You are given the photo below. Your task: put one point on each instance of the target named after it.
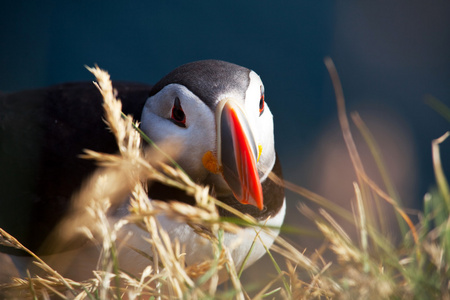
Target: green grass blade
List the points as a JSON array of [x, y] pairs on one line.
[[378, 157], [438, 106], [279, 271], [244, 263]]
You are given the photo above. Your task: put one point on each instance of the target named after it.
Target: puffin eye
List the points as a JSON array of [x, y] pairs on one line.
[[178, 117], [261, 104]]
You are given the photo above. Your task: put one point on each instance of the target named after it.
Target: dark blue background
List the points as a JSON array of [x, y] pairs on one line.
[[389, 56]]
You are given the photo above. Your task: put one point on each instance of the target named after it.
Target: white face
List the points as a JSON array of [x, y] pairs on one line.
[[196, 134], [194, 139], [261, 124]]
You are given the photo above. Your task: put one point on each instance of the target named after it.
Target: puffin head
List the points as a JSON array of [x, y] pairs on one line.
[[216, 113]]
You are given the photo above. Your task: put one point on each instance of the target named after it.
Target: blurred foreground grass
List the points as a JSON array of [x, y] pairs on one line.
[[372, 267]]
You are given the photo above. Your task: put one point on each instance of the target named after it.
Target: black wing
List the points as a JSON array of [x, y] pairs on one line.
[[42, 134]]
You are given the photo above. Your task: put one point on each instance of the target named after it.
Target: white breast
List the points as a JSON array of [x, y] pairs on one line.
[[79, 264], [199, 249]]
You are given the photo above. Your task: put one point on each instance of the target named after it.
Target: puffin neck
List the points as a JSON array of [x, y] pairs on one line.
[[273, 197]]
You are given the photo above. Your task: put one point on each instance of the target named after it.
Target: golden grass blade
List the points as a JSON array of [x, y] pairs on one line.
[[284, 248], [10, 240], [438, 171], [323, 202], [391, 201], [234, 277], [54, 291], [32, 290], [263, 293], [379, 161], [376, 153], [360, 271], [342, 115], [363, 227], [154, 145], [356, 160]]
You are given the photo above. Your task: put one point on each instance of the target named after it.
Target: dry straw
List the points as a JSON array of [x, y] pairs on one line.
[[372, 267]]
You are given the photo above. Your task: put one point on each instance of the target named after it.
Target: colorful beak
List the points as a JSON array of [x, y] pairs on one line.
[[237, 153]]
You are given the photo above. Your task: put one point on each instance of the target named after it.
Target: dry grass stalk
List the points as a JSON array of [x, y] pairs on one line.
[[371, 269]]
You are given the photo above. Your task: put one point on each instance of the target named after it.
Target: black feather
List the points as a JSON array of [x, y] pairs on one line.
[[42, 134]]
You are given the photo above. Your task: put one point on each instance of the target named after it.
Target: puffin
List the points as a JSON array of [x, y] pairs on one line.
[[209, 108]]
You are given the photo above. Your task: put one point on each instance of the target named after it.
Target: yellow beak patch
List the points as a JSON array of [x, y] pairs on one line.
[[259, 152]]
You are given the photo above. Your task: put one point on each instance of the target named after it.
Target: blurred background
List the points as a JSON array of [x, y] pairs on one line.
[[390, 55]]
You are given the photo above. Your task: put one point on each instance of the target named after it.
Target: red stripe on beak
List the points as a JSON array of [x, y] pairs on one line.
[[238, 154]]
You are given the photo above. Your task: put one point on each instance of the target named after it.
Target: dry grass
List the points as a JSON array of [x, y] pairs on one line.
[[373, 267]]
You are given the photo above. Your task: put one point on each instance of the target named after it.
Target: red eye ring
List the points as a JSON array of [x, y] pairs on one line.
[[261, 104], [178, 117]]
